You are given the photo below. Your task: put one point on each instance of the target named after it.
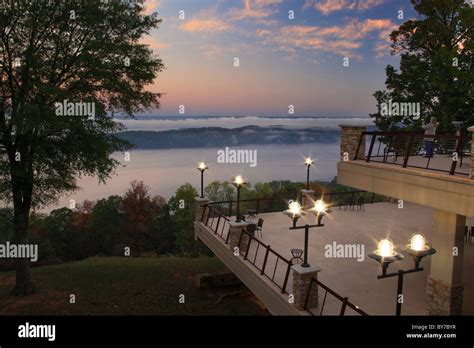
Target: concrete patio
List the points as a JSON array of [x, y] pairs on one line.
[[358, 279]]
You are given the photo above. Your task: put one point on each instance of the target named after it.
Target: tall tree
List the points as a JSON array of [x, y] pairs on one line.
[[52, 53], [436, 66], [142, 212]]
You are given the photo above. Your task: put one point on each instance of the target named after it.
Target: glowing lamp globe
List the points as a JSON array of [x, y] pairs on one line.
[[385, 252], [202, 166], [319, 207], [239, 180], [308, 161], [418, 247], [294, 208]]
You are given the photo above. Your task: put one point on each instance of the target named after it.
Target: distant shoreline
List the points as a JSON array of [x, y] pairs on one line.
[[215, 137]]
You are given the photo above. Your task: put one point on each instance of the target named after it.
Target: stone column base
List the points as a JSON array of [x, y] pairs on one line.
[[350, 137], [443, 299], [301, 280], [235, 230], [199, 207]]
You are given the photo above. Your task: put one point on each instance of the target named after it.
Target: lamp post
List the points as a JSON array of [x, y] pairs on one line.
[[308, 161], [385, 254], [295, 211], [202, 168], [238, 182]]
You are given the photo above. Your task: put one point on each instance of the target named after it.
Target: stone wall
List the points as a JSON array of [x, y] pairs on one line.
[[443, 299], [350, 136], [235, 230], [301, 280]]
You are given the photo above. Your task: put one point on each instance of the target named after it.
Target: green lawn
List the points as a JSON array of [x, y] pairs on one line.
[[127, 286]]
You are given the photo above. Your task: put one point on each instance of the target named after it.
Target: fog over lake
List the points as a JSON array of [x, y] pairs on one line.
[[165, 170]]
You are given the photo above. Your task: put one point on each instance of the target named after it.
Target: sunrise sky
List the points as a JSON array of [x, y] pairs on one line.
[[282, 61]]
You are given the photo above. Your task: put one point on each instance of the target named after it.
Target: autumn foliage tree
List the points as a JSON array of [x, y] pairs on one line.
[[142, 213]]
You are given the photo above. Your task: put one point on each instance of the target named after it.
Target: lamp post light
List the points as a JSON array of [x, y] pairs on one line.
[[308, 162], [202, 168], [238, 182], [385, 254], [295, 211]]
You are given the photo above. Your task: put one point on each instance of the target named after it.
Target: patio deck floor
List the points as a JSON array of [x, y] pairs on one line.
[[358, 279]]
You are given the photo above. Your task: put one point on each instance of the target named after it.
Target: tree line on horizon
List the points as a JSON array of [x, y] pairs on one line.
[[138, 223]]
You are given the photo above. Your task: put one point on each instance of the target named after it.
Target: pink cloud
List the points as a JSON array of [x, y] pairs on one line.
[[329, 6], [151, 6], [343, 40], [255, 9], [153, 43], [205, 25]]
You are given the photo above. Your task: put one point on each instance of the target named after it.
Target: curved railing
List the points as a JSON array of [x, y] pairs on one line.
[[261, 256]]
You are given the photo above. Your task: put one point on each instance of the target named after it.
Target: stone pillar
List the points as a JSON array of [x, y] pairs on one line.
[[199, 207], [445, 289], [234, 235], [306, 197], [471, 129], [301, 280], [350, 136]]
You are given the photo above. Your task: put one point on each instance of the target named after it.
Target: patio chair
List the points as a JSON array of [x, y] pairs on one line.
[[260, 226], [361, 203], [251, 228], [348, 203]]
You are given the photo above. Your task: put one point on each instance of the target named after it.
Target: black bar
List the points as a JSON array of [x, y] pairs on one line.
[[238, 204], [362, 136], [218, 221], [265, 259], [399, 293], [202, 183], [306, 230], [248, 246], [371, 148], [454, 163], [344, 305], [408, 150], [283, 290], [135, 331]]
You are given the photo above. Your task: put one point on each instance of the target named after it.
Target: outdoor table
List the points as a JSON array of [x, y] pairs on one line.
[[297, 254]]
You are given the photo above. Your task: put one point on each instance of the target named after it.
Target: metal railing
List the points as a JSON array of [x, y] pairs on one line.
[[260, 205], [441, 152], [354, 197], [315, 284], [267, 205], [262, 263], [216, 221]]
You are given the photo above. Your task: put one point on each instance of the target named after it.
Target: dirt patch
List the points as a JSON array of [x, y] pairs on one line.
[[49, 302]]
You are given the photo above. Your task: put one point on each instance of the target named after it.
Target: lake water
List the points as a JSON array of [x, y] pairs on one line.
[[165, 170]]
